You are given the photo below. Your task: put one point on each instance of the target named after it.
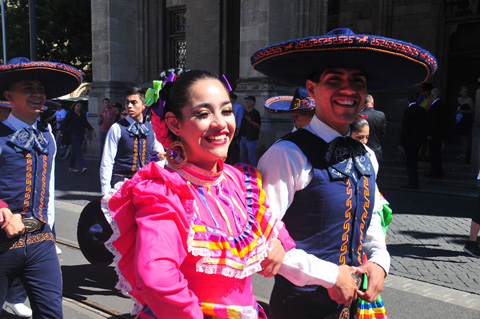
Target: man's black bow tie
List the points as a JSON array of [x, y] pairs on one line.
[[137, 129], [344, 154], [28, 139]]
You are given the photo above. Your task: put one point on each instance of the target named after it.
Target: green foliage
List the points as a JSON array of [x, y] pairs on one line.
[[63, 32]]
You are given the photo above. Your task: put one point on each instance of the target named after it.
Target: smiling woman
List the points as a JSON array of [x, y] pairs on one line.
[[211, 218]]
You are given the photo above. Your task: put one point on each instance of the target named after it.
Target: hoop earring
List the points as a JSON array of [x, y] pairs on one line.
[[170, 156]]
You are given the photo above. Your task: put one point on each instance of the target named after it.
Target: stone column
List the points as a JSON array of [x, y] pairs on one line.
[[264, 23], [114, 54]]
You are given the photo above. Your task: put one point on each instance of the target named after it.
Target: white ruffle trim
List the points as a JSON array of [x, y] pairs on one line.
[[122, 284], [248, 313], [204, 266]]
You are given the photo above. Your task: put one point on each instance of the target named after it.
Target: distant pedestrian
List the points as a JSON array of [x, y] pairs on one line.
[[130, 143], [105, 120], [378, 126], [76, 123], [234, 148], [250, 132], [464, 122], [360, 130], [412, 137], [300, 105]]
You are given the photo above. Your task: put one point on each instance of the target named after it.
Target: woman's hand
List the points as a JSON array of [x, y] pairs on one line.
[[16, 226], [271, 264], [5, 216]]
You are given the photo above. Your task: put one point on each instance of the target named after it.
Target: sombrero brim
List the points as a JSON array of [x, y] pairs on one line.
[[389, 64], [5, 105], [57, 78], [282, 103], [92, 247]]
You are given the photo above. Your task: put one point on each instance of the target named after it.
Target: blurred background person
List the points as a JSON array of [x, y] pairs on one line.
[[76, 123]]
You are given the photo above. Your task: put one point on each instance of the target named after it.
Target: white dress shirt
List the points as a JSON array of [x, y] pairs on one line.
[[286, 170], [16, 124], [110, 151]]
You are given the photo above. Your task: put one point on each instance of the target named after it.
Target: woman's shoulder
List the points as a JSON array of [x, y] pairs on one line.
[[154, 178]]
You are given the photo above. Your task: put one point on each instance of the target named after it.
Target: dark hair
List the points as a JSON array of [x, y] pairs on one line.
[[315, 76], [427, 87], [357, 125], [136, 90], [412, 96], [177, 93], [75, 103]]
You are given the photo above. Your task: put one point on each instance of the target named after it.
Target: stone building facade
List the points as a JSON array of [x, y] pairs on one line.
[[133, 41]]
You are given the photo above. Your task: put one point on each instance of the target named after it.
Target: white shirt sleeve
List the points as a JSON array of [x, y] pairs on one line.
[[51, 196], [158, 148], [108, 158], [374, 244], [293, 172]]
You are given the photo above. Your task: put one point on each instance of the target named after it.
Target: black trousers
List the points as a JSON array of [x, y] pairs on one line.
[[436, 156], [411, 161]]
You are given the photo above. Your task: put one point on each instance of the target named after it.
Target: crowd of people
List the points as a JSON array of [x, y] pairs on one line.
[[190, 224]]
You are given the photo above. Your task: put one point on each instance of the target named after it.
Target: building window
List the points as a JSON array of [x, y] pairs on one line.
[[333, 14], [177, 46]]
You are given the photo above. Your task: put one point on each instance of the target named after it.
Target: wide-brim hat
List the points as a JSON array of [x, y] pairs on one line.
[[5, 105], [300, 101], [388, 63], [93, 231], [57, 78]]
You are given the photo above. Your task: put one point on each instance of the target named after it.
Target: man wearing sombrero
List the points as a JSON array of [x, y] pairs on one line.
[[322, 182], [300, 105], [27, 152]]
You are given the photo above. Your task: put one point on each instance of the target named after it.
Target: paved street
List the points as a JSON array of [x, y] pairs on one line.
[[430, 274]]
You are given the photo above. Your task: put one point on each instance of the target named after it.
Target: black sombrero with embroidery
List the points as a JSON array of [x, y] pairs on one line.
[[388, 63], [57, 78], [300, 101]]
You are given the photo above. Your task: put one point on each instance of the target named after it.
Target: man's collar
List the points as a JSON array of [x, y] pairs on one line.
[[130, 120], [323, 130], [17, 124]]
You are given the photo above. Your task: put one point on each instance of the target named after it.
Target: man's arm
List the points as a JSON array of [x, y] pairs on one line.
[[290, 173], [108, 157]]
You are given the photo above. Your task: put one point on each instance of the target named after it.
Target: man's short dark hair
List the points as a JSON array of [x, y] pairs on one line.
[[136, 90], [233, 96]]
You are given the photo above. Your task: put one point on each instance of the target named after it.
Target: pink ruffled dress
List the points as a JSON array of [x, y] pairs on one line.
[[187, 240]]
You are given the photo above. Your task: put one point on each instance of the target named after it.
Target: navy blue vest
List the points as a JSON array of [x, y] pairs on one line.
[[329, 218], [133, 153], [25, 177]]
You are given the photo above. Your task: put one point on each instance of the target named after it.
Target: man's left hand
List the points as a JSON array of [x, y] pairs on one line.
[[376, 279], [271, 264]]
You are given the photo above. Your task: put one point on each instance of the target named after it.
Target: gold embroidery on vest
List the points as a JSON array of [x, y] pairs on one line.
[[346, 224], [28, 183]]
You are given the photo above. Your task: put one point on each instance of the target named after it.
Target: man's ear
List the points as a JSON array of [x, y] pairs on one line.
[[311, 88], [173, 123], [8, 95]]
